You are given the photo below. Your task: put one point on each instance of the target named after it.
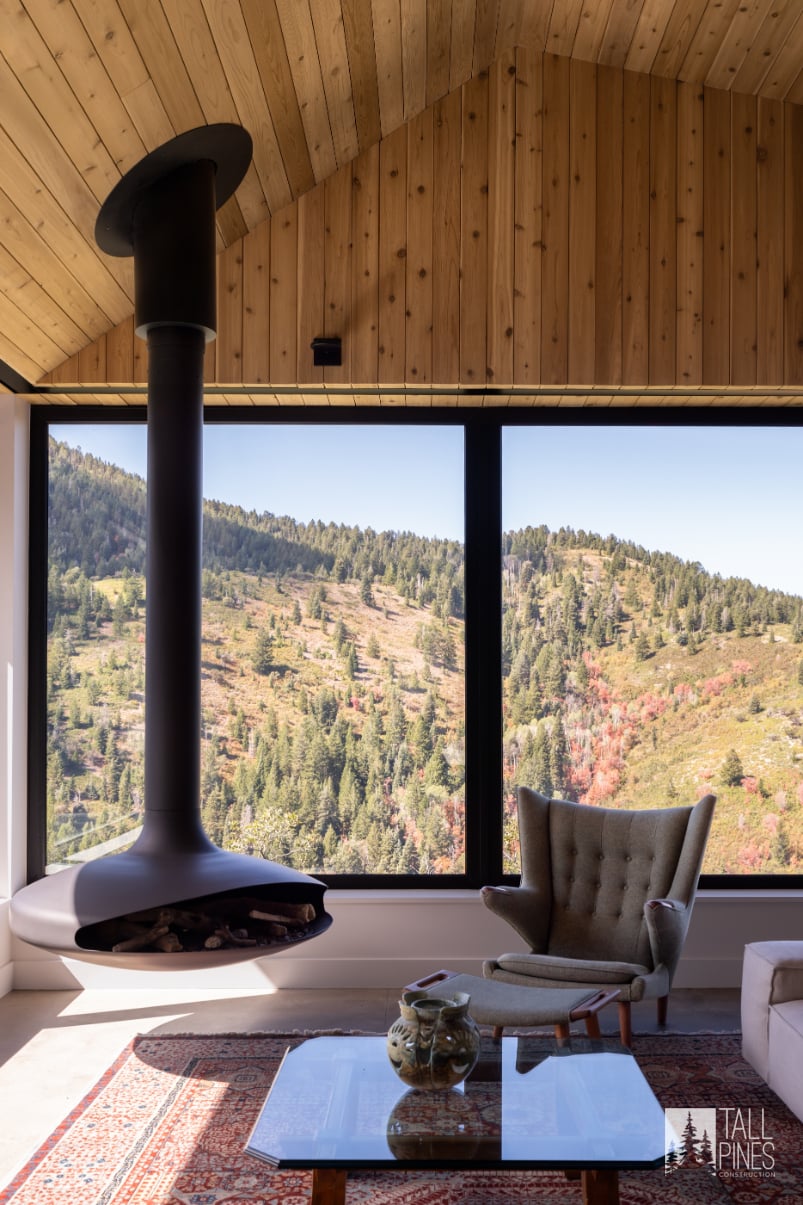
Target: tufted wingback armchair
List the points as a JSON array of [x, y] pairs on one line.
[[605, 897]]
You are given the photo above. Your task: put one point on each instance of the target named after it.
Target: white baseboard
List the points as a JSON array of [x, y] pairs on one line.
[[321, 973], [6, 978]]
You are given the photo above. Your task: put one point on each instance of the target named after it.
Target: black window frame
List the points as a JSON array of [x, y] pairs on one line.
[[482, 425]]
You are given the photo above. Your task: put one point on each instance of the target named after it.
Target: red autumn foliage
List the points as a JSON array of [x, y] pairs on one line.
[[715, 686], [753, 856], [651, 706]]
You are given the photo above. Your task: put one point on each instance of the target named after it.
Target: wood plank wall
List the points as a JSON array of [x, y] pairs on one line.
[[549, 222]]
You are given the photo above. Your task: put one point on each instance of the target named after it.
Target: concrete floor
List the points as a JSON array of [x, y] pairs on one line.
[[55, 1045]]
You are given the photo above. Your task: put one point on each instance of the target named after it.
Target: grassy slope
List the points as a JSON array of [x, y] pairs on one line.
[[305, 657]]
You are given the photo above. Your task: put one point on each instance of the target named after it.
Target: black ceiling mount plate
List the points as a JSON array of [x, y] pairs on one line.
[[227, 145]]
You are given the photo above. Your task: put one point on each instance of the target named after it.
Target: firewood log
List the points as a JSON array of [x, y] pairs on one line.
[[169, 943], [238, 906], [234, 938], [141, 942], [276, 918]]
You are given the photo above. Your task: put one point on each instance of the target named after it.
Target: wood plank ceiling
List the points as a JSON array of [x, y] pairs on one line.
[[87, 87]]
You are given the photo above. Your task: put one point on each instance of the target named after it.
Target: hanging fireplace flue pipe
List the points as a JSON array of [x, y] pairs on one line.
[[163, 212]]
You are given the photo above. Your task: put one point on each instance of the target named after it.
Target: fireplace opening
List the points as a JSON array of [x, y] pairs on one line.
[[258, 919]]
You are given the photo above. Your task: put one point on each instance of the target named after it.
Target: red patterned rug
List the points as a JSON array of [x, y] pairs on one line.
[[167, 1123]]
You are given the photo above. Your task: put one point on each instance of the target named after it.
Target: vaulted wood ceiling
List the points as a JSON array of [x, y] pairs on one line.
[[87, 87]]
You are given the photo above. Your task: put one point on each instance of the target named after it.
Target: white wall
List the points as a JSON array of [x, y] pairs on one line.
[[13, 659], [385, 939]]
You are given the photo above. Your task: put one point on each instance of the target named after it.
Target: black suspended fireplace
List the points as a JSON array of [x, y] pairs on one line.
[[174, 899]]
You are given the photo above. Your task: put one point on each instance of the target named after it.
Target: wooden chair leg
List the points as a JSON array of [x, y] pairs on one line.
[[663, 1002], [625, 1023], [592, 1025]]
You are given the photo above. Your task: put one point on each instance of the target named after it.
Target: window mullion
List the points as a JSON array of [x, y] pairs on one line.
[[483, 484]]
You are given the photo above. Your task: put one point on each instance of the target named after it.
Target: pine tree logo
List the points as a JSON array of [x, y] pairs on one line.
[[691, 1139]]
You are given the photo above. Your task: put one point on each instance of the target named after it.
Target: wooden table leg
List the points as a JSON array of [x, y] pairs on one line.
[[600, 1186], [328, 1186]]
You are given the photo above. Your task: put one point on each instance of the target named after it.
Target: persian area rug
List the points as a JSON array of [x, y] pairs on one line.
[[167, 1124]]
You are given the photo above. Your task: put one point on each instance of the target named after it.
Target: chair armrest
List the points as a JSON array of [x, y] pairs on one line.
[[524, 909], [667, 923]]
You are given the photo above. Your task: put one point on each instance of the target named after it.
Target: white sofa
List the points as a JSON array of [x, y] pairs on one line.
[[772, 1017]]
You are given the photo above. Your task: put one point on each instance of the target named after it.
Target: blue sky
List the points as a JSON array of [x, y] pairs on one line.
[[727, 497], [389, 478]]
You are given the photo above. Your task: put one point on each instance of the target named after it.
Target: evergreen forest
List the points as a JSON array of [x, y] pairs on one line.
[[332, 686]]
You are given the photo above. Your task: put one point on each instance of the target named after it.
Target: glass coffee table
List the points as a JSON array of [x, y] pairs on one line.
[[530, 1103]]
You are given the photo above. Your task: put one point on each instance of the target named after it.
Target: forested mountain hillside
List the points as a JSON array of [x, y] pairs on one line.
[[636, 679], [332, 682], [333, 685]]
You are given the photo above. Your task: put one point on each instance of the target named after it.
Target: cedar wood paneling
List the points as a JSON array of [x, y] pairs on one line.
[[551, 222]]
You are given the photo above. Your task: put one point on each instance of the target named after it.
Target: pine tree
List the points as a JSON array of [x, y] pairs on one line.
[[732, 769], [119, 615], [642, 647], [339, 634], [350, 664], [557, 757], [261, 657], [366, 593], [422, 732], [542, 777], [436, 772]]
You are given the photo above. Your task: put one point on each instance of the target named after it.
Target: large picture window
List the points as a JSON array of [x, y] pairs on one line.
[[374, 688], [653, 628], [333, 715]]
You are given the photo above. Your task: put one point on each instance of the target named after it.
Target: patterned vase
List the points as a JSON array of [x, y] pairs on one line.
[[434, 1043]]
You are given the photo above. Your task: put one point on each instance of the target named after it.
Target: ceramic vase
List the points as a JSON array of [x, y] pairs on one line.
[[434, 1043]]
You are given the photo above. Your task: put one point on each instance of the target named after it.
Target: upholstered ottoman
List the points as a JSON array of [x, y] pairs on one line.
[[772, 1017], [504, 1004]]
